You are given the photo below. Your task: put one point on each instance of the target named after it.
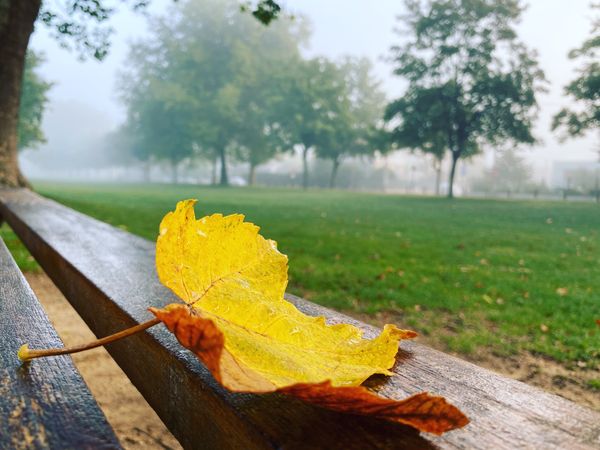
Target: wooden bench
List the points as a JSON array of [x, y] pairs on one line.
[[47, 404], [108, 276]]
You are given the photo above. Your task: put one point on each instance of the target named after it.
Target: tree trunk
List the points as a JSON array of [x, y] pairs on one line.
[[146, 170], [334, 171], [213, 176], [438, 176], [16, 24], [305, 167], [252, 175], [224, 179], [174, 172], [455, 156]]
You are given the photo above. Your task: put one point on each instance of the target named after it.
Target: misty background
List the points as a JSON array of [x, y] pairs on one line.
[[84, 107]]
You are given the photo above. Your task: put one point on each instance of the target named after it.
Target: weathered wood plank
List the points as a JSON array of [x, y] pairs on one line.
[[45, 405], [109, 277]]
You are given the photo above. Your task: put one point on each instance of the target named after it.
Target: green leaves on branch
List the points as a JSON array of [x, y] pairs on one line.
[[81, 24], [585, 89]]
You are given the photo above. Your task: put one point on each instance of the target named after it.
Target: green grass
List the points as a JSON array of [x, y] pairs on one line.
[[509, 276], [18, 250]]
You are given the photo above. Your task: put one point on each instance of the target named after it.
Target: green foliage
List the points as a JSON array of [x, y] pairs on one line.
[[471, 82], [33, 101], [201, 85], [213, 83], [585, 89], [82, 24], [356, 113], [470, 273], [18, 250]]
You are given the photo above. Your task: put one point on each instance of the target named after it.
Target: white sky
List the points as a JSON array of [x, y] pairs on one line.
[[355, 27]]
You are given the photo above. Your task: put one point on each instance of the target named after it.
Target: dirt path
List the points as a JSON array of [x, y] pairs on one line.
[[135, 423], [138, 427], [535, 370]]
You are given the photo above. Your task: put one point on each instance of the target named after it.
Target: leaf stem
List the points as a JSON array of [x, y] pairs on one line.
[[25, 354]]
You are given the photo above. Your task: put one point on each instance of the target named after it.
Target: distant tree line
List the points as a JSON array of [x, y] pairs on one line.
[[211, 83]]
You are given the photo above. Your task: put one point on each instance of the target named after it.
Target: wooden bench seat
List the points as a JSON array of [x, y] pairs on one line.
[[108, 275], [47, 404]]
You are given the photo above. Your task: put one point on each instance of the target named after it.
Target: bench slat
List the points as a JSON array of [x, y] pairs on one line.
[[109, 277], [46, 404]]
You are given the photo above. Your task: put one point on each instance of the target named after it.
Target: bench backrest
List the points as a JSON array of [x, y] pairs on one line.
[[108, 276]]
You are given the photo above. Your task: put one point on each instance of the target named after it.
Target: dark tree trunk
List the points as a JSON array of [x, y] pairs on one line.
[[16, 24], [305, 167], [334, 171], [224, 179], [252, 175], [213, 176], [455, 156]]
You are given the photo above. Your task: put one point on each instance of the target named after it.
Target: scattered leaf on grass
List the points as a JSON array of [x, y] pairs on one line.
[[252, 340]]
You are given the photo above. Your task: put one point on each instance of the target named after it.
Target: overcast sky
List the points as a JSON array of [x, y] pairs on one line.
[[340, 27]]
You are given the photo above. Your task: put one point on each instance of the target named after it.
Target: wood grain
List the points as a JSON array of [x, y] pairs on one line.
[[109, 277], [47, 404]]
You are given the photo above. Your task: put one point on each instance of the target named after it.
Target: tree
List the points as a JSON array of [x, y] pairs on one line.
[[312, 97], [71, 24], [201, 81], [471, 82], [359, 106], [510, 173], [32, 103], [585, 89]]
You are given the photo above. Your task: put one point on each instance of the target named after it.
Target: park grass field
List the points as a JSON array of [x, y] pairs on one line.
[[504, 276]]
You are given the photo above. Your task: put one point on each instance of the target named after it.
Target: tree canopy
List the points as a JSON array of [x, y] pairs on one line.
[[585, 89], [471, 82], [202, 83], [210, 82]]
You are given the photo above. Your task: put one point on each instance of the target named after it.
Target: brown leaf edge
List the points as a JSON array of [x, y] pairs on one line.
[[422, 411]]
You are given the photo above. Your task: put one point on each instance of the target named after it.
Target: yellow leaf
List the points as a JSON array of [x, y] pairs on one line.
[[223, 268], [253, 340], [422, 411], [562, 291]]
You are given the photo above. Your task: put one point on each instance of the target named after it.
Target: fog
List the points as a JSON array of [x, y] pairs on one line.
[[84, 105]]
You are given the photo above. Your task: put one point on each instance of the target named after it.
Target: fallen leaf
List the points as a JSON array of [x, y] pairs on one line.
[[253, 340], [423, 411]]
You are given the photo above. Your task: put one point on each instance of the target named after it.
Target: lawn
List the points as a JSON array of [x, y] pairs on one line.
[[506, 275]]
